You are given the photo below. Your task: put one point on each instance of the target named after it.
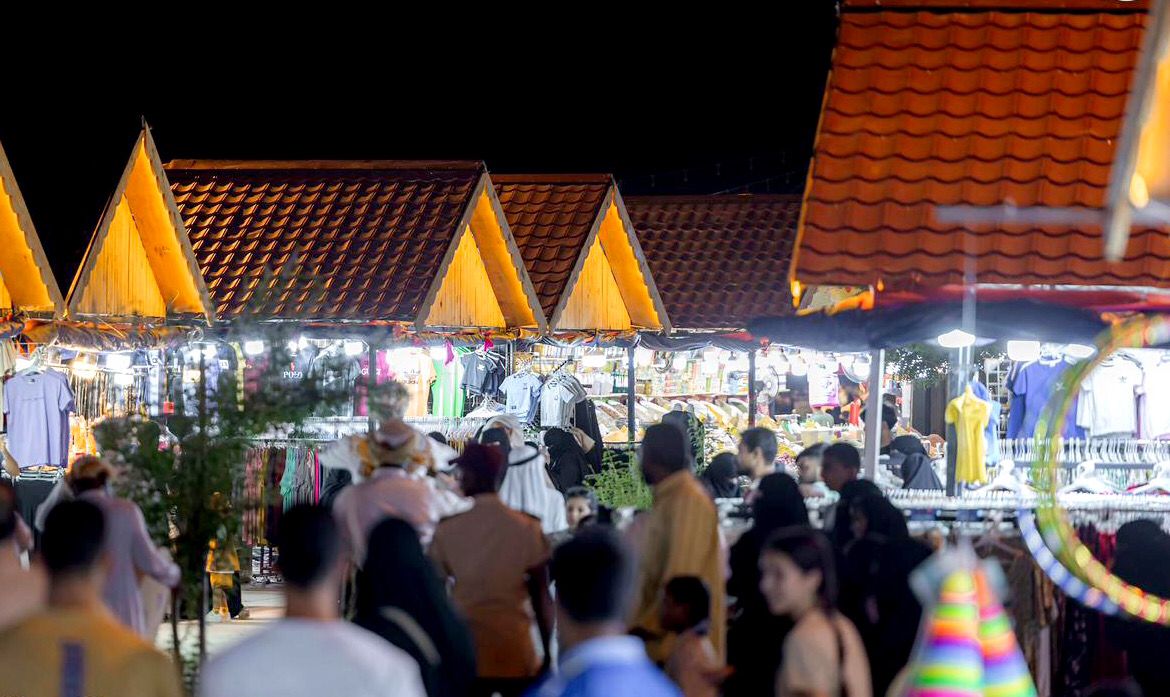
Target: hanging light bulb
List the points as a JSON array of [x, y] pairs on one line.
[[355, 348], [119, 361], [1023, 350], [254, 347], [956, 338], [84, 368]]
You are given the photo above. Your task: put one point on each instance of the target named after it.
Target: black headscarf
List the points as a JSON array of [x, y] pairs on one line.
[[720, 477], [1140, 560], [399, 594], [567, 463], [918, 473], [842, 533], [778, 504], [883, 519]]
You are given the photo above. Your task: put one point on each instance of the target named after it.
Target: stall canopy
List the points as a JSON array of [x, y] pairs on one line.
[[719, 261], [416, 242], [934, 108], [139, 264], [889, 327], [581, 252], [27, 283]]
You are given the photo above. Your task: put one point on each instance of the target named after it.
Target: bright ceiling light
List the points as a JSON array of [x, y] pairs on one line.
[[1021, 351], [594, 359], [119, 361], [255, 347], [84, 368], [956, 338], [354, 348], [1139, 193], [1079, 351]]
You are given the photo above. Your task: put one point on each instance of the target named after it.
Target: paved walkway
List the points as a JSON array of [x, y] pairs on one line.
[[266, 604]]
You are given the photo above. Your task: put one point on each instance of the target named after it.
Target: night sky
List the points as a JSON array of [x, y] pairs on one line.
[[709, 107]]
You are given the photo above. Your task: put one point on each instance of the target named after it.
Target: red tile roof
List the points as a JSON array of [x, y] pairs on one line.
[[366, 238], [718, 261], [550, 217], [930, 104]]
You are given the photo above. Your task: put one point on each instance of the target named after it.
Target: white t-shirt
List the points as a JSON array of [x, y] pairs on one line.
[[309, 658], [521, 393], [1108, 403], [557, 400], [1156, 395]]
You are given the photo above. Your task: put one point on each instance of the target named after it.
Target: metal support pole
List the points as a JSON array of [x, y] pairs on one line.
[[752, 388], [371, 384], [873, 414], [631, 385]]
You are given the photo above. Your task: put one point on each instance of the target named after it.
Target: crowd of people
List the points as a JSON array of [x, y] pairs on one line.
[[450, 576]]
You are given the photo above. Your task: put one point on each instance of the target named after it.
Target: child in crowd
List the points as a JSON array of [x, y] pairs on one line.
[[580, 503], [692, 665]]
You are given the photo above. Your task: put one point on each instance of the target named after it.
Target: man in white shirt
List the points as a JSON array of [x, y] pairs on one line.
[[312, 652]]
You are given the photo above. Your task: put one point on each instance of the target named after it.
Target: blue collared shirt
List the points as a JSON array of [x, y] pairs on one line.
[[607, 667]]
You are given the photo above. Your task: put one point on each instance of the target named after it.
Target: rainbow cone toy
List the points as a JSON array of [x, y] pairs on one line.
[[949, 661], [1005, 672]]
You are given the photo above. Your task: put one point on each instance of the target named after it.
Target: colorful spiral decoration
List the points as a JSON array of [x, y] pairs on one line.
[[1103, 591]]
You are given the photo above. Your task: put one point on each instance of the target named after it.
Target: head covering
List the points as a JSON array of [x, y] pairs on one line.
[[528, 488], [568, 465], [778, 503], [395, 444], [882, 517], [720, 477], [842, 532], [511, 426], [907, 445], [401, 599], [918, 473], [497, 437]]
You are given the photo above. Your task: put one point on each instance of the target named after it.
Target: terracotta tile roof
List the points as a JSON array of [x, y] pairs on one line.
[[550, 217], [366, 238], [718, 261], [931, 104]]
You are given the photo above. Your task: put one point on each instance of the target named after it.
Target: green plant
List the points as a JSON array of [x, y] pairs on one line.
[[620, 483], [189, 479]]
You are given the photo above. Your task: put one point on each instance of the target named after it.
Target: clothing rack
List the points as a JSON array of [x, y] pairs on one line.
[[1106, 452]]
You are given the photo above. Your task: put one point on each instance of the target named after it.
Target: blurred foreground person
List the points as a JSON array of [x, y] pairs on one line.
[[497, 559], [681, 538], [1142, 550], [692, 664], [402, 601], [755, 636], [24, 589], [823, 654], [75, 646], [594, 575], [311, 652], [130, 552]]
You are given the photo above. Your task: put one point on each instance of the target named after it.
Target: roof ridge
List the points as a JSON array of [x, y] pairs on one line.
[[974, 6], [556, 178], [324, 165], [713, 198]]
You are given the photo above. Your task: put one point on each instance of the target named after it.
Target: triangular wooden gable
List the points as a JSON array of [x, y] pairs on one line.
[[27, 283], [139, 263], [611, 287], [482, 281]]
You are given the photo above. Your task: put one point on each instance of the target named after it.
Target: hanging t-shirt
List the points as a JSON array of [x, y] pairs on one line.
[[558, 399], [970, 415], [482, 373], [1109, 398], [824, 385], [1034, 385], [415, 370], [37, 406], [521, 395], [1156, 396], [991, 433], [447, 394]]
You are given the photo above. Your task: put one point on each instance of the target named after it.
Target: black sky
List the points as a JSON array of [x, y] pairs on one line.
[[731, 107]]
